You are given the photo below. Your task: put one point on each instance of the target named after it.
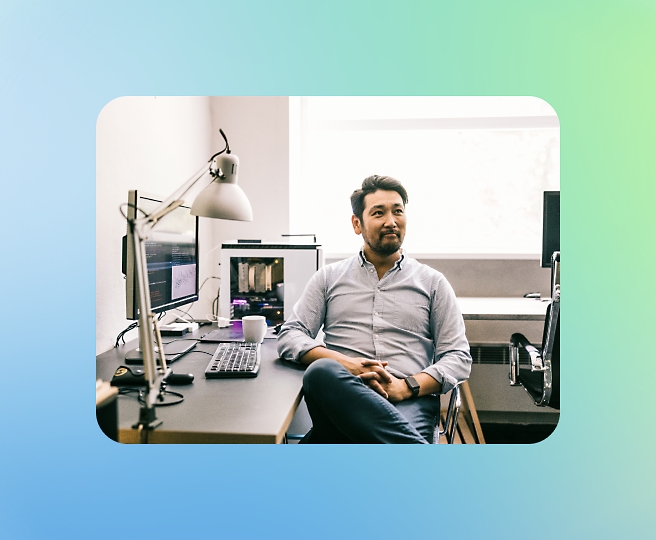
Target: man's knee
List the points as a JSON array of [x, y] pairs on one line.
[[322, 373]]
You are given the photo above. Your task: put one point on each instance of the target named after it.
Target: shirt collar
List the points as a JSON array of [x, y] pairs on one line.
[[363, 259], [398, 263], [401, 260]]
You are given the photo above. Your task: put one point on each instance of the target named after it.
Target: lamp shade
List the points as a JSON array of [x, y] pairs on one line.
[[223, 198], [220, 200]]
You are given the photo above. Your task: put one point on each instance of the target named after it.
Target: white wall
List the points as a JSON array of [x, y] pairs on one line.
[[258, 131], [155, 144], [148, 143]]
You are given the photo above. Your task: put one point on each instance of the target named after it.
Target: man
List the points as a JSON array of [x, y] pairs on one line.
[[394, 335]]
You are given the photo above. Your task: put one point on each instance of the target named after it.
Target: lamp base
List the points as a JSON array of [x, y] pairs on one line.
[[147, 422]]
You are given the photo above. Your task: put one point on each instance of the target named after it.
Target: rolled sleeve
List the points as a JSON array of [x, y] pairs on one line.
[[452, 360], [450, 369]]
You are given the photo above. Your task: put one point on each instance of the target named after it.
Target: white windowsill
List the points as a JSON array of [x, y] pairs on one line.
[[456, 256]]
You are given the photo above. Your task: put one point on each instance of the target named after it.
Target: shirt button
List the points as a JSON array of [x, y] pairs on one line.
[[371, 271], [376, 313]]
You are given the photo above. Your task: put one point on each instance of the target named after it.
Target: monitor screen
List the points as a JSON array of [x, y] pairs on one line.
[[171, 257], [550, 226]]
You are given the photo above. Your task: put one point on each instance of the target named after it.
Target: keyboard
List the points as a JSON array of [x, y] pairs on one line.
[[235, 359]]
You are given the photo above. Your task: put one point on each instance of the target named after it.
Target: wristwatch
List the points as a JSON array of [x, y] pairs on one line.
[[413, 385]]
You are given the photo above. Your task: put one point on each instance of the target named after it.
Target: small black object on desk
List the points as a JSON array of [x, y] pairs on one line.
[[126, 376], [179, 379]]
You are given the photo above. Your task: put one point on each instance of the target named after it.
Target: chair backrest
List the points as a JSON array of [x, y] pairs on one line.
[[551, 338], [542, 380]]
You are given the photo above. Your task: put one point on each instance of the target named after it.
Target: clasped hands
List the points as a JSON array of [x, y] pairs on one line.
[[376, 377]]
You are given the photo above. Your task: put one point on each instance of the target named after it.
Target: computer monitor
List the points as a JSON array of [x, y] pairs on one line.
[[550, 226], [171, 257]]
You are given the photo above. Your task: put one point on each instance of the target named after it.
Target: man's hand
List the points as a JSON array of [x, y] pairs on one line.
[[375, 376], [372, 373], [397, 390]]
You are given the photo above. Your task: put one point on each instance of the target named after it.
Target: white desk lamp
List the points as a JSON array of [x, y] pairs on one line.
[[221, 199]]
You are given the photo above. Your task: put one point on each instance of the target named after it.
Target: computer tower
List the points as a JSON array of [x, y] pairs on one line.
[[265, 278]]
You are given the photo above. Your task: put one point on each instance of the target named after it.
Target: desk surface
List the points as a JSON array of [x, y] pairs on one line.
[[502, 309], [256, 410]]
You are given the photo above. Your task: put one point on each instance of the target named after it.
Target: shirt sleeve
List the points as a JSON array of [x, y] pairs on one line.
[[452, 359], [299, 333]]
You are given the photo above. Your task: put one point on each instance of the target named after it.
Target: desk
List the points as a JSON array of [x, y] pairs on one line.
[[257, 410], [491, 321], [502, 309]]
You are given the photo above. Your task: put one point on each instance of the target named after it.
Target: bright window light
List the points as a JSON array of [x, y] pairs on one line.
[[475, 169]]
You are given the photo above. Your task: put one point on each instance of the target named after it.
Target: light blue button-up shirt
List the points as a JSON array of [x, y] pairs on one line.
[[409, 318]]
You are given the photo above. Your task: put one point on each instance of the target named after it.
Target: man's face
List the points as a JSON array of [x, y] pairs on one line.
[[383, 222]]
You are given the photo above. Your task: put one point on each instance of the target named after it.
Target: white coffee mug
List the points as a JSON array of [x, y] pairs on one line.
[[254, 328]]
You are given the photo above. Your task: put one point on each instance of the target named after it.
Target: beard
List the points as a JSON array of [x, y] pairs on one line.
[[384, 245]]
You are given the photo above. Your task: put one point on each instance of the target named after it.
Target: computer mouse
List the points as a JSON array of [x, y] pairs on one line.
[[179, 379]]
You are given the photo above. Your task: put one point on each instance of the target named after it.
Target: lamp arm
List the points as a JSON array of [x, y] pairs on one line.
[[172, 201], [148, 330]]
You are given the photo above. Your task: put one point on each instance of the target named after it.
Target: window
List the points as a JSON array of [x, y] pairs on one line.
[[475, 169]]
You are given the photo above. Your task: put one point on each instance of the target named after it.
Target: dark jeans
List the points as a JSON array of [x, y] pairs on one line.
[[345, 410]]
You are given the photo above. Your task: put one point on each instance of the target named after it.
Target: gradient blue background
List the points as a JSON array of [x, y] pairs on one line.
[[61, 63]]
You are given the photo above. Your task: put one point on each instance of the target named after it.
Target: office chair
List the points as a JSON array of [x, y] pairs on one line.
[[542, 380], [460, 424], [450, 421]]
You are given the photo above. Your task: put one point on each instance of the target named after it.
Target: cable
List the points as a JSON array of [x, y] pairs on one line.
[[206, 279], [180, 317], [199, 289], [204, 352], [121, 336], [215, 304], [226, 150], [130, 205], [161, 397], [140, 396]]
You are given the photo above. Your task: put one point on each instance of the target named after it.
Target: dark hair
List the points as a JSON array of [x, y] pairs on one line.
[[372, 184]]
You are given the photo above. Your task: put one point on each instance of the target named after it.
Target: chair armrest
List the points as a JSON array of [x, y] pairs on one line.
[[451, 421], [517, 340]]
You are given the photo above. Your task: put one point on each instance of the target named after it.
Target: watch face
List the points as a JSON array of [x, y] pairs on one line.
[[413, 385]]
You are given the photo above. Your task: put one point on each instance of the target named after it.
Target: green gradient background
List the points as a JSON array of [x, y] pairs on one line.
[[592, 61]]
